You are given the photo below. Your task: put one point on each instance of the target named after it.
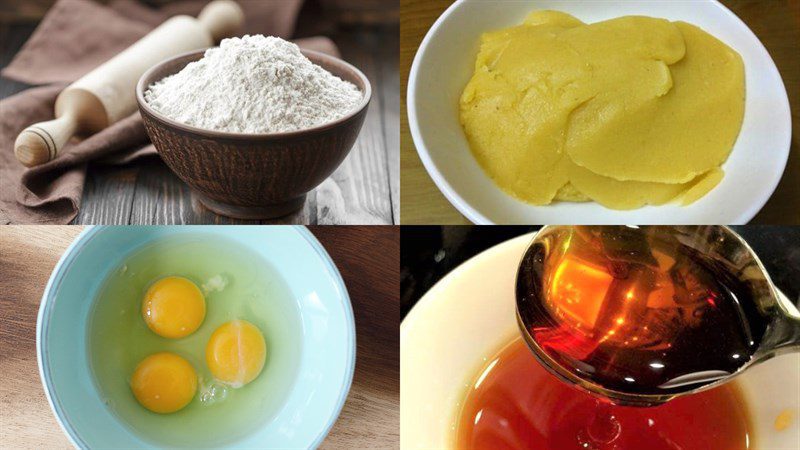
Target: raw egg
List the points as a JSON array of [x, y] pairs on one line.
[[236, 352], [173, 307], [164, 382]]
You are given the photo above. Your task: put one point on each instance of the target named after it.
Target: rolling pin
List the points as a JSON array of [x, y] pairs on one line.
[[107, 94]]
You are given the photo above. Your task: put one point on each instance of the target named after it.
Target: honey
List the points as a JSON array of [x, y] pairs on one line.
[[516, 404], [640, 310]]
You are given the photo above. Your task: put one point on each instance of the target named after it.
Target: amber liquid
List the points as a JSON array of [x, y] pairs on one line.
[[645, 310], [516, 404]]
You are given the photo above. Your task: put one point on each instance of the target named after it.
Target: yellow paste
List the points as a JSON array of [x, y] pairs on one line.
[[626, 112]]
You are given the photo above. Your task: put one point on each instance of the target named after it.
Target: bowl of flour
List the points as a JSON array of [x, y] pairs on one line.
[[255, 124]]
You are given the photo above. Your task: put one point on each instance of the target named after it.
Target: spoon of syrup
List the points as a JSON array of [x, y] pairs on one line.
[[641, 315]]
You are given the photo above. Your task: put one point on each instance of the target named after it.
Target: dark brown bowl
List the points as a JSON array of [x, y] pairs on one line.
[[253, 176]]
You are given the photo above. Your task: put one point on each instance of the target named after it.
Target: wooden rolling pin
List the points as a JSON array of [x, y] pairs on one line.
[[107, 94]]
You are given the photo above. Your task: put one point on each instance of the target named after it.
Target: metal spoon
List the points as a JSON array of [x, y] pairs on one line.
[[640, 315]]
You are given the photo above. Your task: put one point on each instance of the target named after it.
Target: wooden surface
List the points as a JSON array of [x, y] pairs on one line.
[[775, 22], [367, 257], [422, 203], [365, 189]]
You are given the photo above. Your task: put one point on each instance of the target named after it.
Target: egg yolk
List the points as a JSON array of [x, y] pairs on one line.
[[173, 307], [164, 382], [236, 352]]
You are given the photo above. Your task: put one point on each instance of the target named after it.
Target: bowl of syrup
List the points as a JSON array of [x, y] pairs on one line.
[[470, 381]]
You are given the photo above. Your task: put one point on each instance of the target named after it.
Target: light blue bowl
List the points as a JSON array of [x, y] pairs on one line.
[[328, 332]]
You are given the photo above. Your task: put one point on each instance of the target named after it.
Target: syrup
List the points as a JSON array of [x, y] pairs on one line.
[[516, 404], [651, 311]]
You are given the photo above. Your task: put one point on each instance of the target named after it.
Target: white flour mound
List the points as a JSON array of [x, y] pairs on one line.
[[253, 84]]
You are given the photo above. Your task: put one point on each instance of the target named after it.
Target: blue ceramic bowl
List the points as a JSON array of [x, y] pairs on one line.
[[328, 333]]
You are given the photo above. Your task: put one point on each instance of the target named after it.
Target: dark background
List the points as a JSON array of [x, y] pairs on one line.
[[430, 252]]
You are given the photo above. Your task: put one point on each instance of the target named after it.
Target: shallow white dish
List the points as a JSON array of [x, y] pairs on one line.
[[444, 64], [469, 315]]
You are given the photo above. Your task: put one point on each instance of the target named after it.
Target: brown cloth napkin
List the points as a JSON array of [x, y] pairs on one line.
[[73, 38]]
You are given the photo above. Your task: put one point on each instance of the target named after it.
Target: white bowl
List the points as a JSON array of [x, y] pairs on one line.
[[468, 315], [444, 63]]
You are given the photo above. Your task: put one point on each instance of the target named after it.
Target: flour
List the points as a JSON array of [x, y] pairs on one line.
[[253, 84]]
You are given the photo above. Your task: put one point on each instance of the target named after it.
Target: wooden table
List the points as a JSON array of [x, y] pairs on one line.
[[367, 257], [775, 22], [365, 189]]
